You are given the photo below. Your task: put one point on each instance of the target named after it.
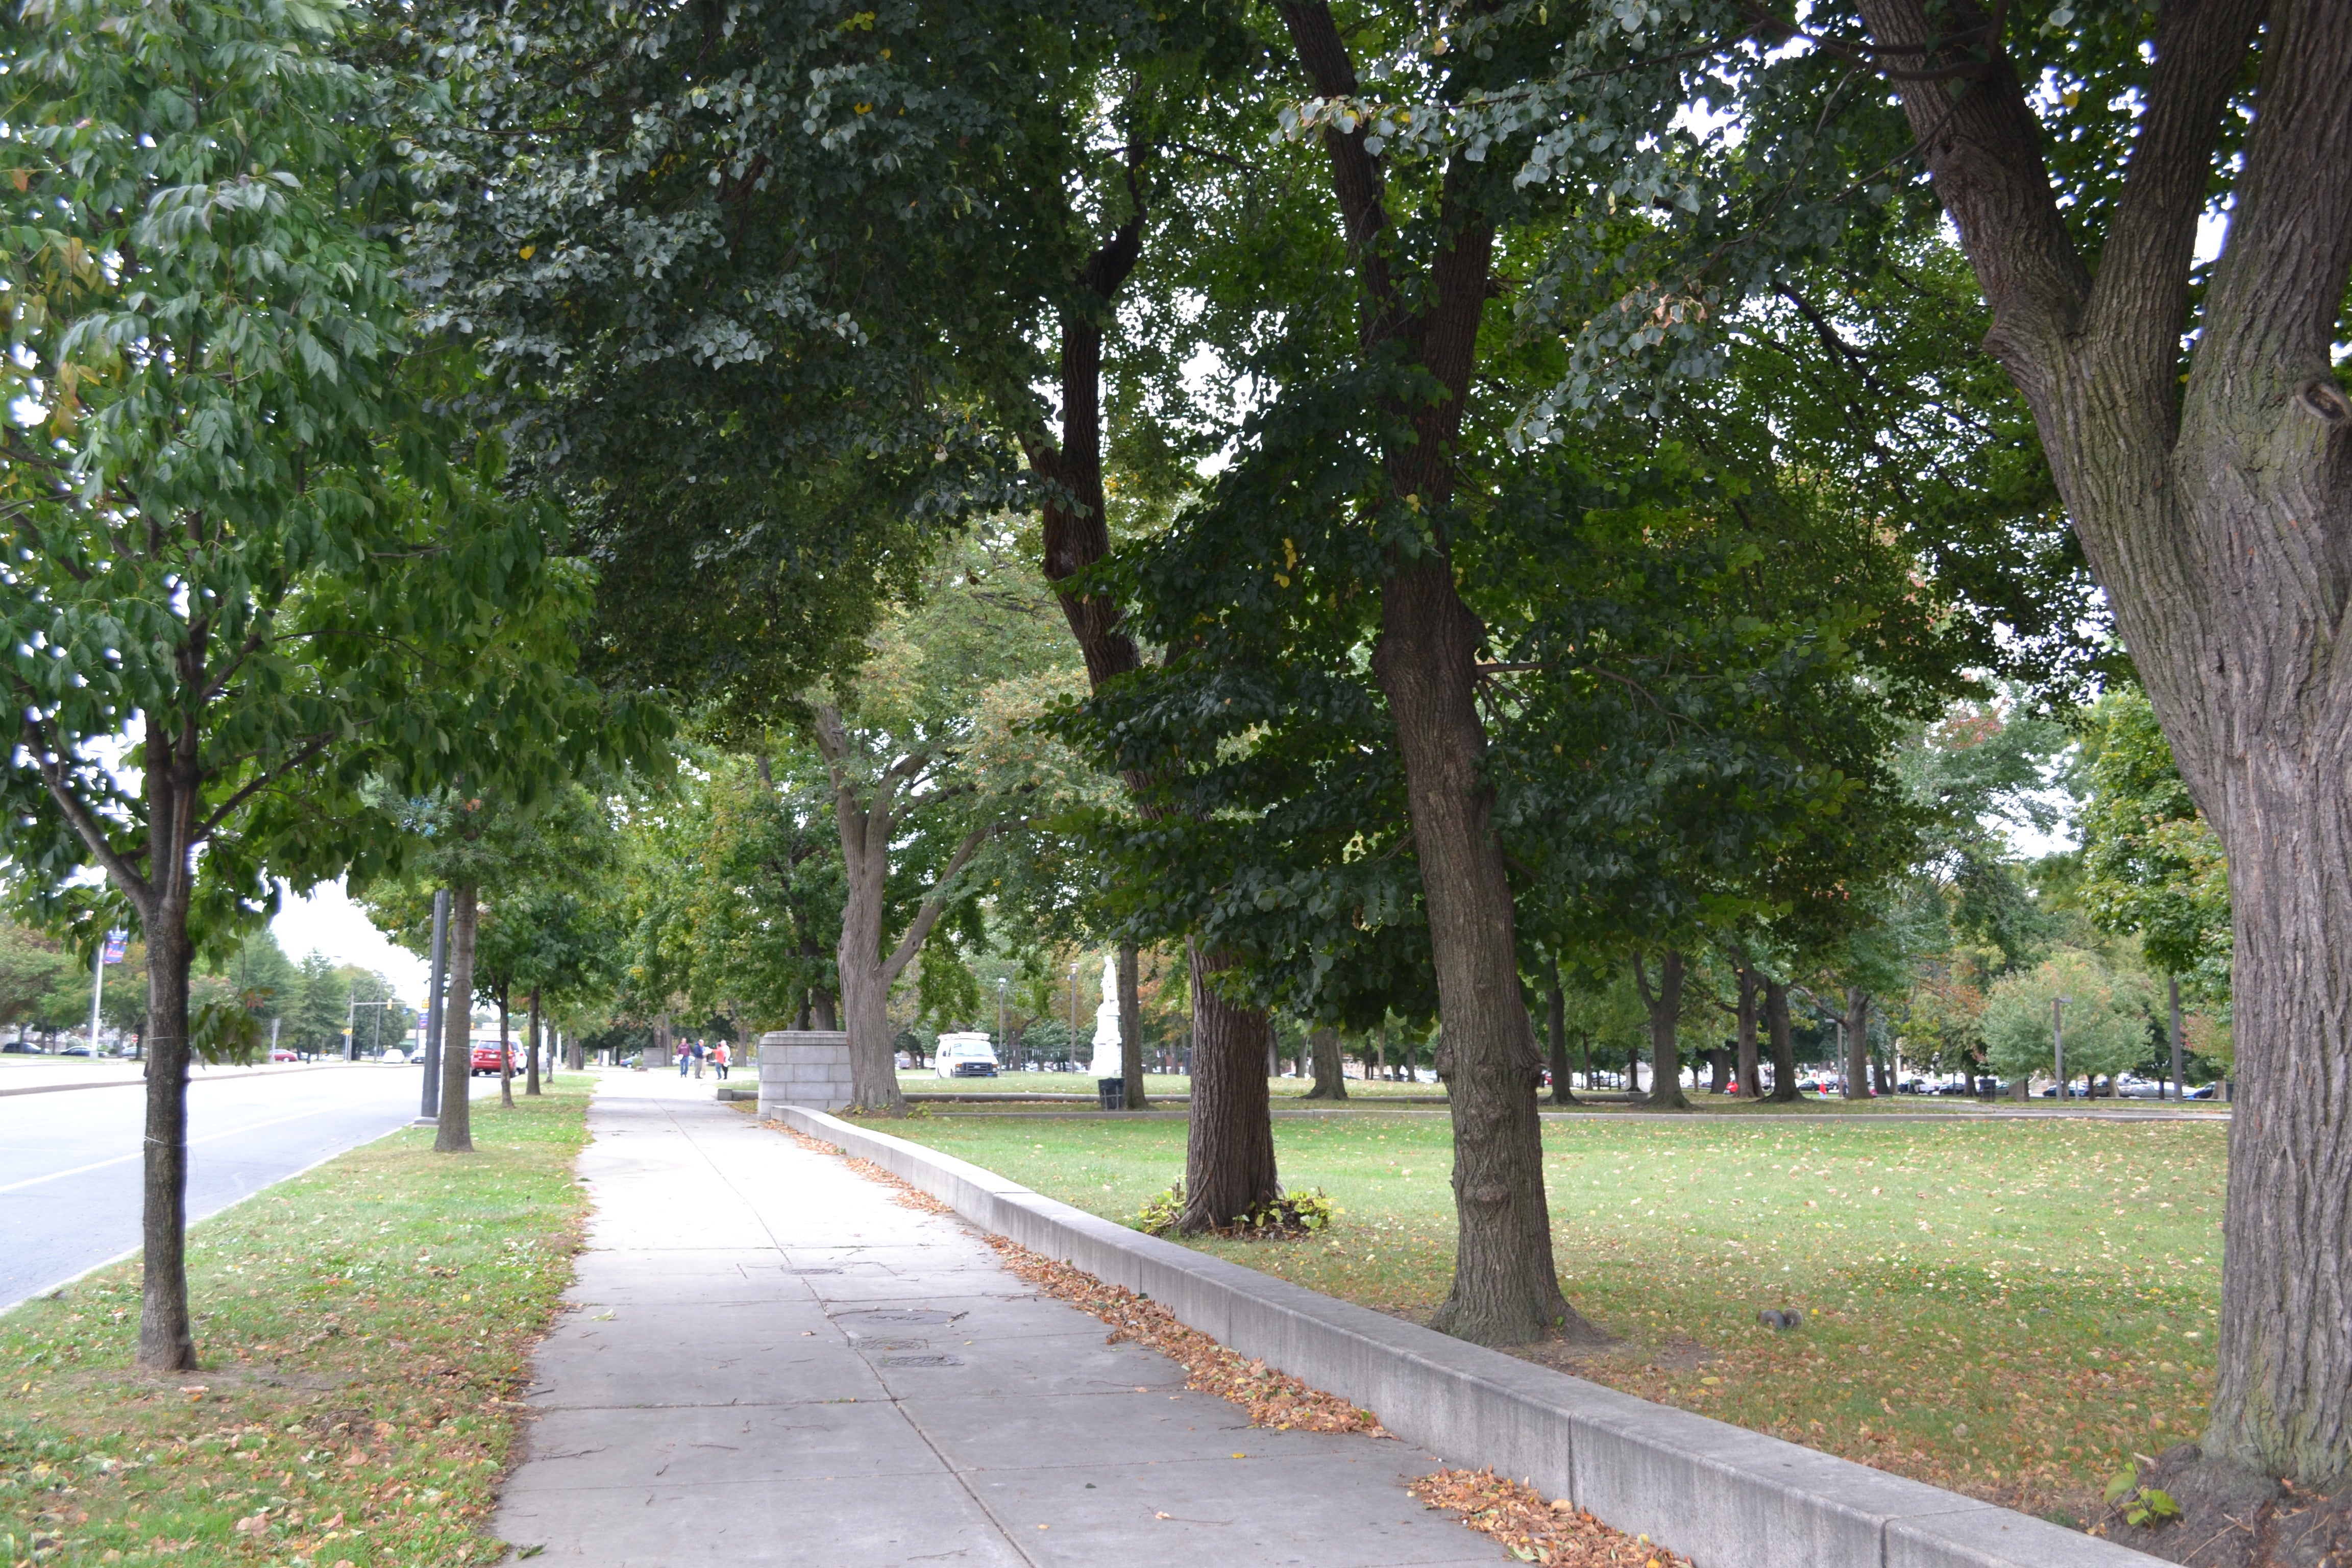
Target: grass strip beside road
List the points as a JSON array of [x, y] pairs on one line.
[[363, 1331], [2012, 1308]]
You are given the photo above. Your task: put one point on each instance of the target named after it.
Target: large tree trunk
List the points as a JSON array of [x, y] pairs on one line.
[[530, 1083], [1556, 1026], [1506, 1289], [1750, 985], [1330, 1065], [455, 1133], [1229, 1166], [2215, 508], [864, 813], [1075, 533], [864, 990], [1857, 1042], [1664, 1003], [1784, 1048], [2280, 1405], [506, 1055], [166, 1338]]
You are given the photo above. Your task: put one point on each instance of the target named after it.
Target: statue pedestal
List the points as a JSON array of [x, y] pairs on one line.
[[807, 1068]]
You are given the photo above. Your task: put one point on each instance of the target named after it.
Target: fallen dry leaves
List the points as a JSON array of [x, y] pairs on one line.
[[1273, 1399], [1536, 1529], [903, 1193], [1533, 1529]]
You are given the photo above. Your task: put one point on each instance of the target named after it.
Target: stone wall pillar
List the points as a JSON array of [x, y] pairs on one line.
[[807, 1068]]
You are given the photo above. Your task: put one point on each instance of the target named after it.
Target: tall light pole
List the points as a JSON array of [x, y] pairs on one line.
[[1074, 1010], [2058, 1040], [110, 951], [999, 1022], [2179, 1089], [431, 1104], [351, 1025]]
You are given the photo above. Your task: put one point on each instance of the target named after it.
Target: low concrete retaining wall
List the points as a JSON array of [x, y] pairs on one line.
[[1725, 1497]]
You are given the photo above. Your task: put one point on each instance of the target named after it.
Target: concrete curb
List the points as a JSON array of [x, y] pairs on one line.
[[1724, 1497]]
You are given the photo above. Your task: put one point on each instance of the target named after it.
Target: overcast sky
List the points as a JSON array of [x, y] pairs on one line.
[[329, 922]]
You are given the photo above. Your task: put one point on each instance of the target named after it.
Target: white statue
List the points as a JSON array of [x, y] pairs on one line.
[[1108, 1061]]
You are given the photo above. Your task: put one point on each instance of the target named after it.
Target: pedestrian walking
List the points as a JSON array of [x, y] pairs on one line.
[[683, 1058], [718, 1057], [700, 1053]]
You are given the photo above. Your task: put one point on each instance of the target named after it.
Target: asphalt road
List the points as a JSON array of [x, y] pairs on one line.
[[70, 1165]]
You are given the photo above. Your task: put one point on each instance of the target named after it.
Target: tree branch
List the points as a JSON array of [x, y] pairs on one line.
[[1356, 176], [2140, 302], [933, 906], [51, 761]]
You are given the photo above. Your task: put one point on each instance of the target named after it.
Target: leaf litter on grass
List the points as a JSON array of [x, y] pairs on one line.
[[2009, 1308], [365, 1325]]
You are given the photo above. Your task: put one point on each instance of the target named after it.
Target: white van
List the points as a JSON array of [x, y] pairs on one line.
[[965, 1055]]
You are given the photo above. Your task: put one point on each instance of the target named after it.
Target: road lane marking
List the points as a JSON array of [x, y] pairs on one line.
[[207, 1138]]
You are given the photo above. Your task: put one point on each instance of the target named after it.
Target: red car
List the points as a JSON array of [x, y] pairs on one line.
[[486, 1059]]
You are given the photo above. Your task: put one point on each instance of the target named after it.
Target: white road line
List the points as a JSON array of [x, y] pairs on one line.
[[207, 1138]]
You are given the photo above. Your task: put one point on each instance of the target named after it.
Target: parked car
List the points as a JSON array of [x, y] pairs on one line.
[[486, 1061], [395, 1056], [281, 1054], [965, 1054]]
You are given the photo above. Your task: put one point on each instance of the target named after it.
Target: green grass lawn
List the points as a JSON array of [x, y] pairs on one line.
[[923, 1080], [2010, 1309], [1013, 1085], [362, 1329]]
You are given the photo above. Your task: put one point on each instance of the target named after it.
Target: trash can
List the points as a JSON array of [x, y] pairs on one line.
[[1113, 1091]]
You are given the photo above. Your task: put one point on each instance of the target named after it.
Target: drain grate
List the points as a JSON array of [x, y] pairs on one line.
[[906, 1315], [922, 1360]]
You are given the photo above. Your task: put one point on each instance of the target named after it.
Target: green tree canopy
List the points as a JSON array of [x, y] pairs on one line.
[[2104, 1016]]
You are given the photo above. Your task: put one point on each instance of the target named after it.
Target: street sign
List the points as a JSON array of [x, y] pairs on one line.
[[115, 940]]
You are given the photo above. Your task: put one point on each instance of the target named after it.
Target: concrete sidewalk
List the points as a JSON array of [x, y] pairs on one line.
[[772, 1361]]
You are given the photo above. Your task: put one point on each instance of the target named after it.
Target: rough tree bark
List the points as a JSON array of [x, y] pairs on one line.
[[1664, 1003], [1229, 1166], [1857, 1044], [2215, 508], [1556, 1026], [1784, 1048], [166, 1337], [1505, 1288], [1075, 535], [867, 815], [1330, 1065], [1751, 986], [530, 1080], [506, 1055], [454, 1133]]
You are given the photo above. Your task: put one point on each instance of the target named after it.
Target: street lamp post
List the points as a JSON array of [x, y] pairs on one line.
[[1074, 1011], [2058, 1040], [1001, 1044], [430, 1105]]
